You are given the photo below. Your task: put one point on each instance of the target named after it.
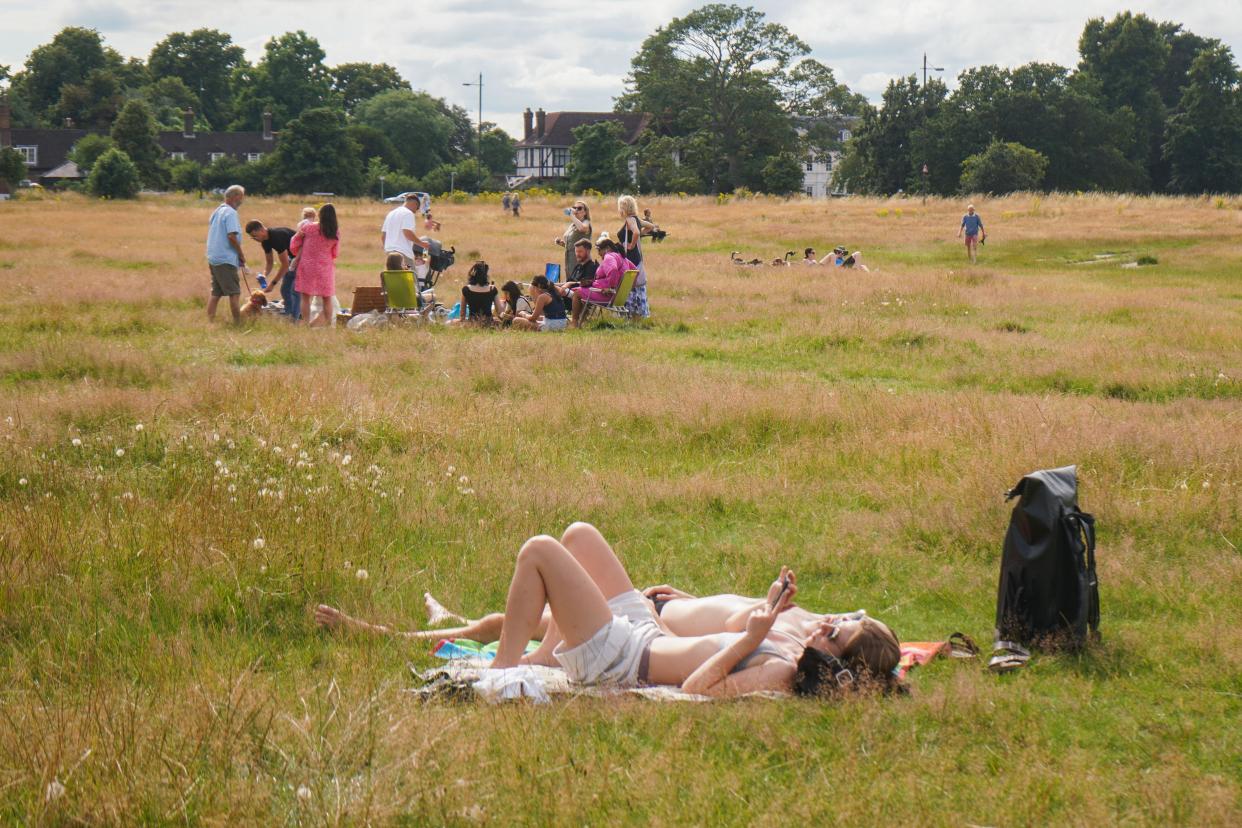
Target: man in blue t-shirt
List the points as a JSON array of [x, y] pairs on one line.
[[972, 227], [224, 253]]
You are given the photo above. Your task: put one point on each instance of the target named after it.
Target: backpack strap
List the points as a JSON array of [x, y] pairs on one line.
[[1085, 523]]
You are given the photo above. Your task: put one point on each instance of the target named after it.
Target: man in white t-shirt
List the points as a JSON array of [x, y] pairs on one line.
[[398, 235]]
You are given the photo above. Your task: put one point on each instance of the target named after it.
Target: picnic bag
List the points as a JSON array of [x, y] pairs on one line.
[[1048, 594]]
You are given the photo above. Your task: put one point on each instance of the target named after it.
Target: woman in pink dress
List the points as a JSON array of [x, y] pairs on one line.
[[316, 245]]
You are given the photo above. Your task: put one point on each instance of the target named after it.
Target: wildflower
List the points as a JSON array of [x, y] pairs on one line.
[[1206, 483], [262, 569], [138, 427], [120, 452], [22, 482], [348, 565], [346, 460], [55, 790], [361, 575], [75, 442], [463, 479], [259, 543], [232, 488], [304, 793], [451, 469], [278, 450]]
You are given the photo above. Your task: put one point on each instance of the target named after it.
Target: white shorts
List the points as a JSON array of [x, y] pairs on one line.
[[554, 324], [612, 655]]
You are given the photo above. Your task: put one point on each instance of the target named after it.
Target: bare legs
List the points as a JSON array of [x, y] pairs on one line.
[[972, 248], [546, 572], [484, 630]]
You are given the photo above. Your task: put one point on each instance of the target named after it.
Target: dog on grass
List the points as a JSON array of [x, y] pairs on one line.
[[258, 301]]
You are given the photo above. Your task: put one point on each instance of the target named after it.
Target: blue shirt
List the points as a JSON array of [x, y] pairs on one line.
[[972, 223], [223, 221]]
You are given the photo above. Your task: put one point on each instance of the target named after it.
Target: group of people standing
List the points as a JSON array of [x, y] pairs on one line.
[[306, 254]]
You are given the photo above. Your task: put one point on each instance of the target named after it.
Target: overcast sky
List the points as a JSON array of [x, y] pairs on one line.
[[574, 54]]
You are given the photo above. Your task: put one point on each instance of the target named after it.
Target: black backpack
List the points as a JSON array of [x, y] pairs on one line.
[[1048, 594]]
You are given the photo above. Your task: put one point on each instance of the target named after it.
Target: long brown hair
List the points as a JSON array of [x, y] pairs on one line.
[[328, 227]]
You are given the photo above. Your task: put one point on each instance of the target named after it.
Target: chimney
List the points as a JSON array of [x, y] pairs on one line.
[[541, 122], [187, 123], [527, 118], [267, 125], [6, 123]]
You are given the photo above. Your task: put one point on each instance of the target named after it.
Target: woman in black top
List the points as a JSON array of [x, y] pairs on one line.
[[479, 296], [548, 313]]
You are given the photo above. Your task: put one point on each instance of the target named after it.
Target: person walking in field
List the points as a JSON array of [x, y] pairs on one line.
[[316, 245], [224, 253], [972, 227]]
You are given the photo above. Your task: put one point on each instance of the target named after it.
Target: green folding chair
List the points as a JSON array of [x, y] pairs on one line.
[[619, 298], [400, 292]]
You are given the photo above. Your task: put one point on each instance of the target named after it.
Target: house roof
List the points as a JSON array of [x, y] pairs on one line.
[[231, 143], [54, 145], [558, 131], [65, 170]]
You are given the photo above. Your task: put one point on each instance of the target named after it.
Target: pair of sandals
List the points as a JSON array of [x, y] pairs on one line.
[[1007, 656]]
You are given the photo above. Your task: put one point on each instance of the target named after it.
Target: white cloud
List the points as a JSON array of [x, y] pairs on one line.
[[567, 54]]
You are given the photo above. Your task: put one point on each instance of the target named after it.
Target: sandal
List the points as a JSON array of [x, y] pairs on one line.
[[1008, 656], [962, 646]]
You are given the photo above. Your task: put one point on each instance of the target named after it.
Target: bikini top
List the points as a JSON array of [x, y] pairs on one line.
[[765, 648]]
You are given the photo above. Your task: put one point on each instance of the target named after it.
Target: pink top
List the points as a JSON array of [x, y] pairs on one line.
[[316, 261], [611, 269]]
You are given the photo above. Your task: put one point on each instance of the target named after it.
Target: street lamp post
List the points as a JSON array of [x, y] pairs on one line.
[[478, 152], [452, 182], [926, 68]]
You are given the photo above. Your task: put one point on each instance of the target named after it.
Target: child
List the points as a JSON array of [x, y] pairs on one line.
[[308, 216]]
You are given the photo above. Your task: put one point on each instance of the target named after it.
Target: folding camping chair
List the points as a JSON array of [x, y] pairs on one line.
[[400, 295], [619, 298]]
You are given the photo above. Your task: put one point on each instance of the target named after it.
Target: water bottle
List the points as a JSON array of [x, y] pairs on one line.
[[262, 281]]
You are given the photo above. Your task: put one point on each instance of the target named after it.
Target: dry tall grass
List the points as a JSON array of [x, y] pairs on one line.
[[158, 659]]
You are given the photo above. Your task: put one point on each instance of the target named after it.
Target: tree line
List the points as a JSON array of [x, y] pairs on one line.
[[735, 102], [342, 127]]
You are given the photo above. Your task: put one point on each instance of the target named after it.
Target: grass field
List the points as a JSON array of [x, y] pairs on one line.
[[175, 498]]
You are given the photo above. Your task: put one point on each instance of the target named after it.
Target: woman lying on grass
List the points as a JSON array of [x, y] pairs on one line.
[[603, 631]]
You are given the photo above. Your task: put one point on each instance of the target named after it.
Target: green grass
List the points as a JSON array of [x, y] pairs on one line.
[[156, 645]]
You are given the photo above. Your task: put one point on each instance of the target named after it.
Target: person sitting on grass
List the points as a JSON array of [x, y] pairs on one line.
[[513, 304], [547, 311], [478, 296], [602, 630], [608, 274], [808, 257]]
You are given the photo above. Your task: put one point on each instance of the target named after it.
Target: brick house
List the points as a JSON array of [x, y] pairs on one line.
[[47, 150], [548, 140]]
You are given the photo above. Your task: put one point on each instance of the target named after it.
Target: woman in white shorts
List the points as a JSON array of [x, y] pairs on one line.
[[603, 631], [671, 610]]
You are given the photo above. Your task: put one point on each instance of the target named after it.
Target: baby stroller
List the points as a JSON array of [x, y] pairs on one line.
[[438, 260]]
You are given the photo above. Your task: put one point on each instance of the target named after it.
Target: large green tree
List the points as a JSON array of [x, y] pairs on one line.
[[884, 157], [598, 159], [290, 79], [717, 74], [499, 154], [136, 134], [72, 54], [88, 149], [204, 60], [316, 154], [417, 125], [354, 83], [1204, 146]]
